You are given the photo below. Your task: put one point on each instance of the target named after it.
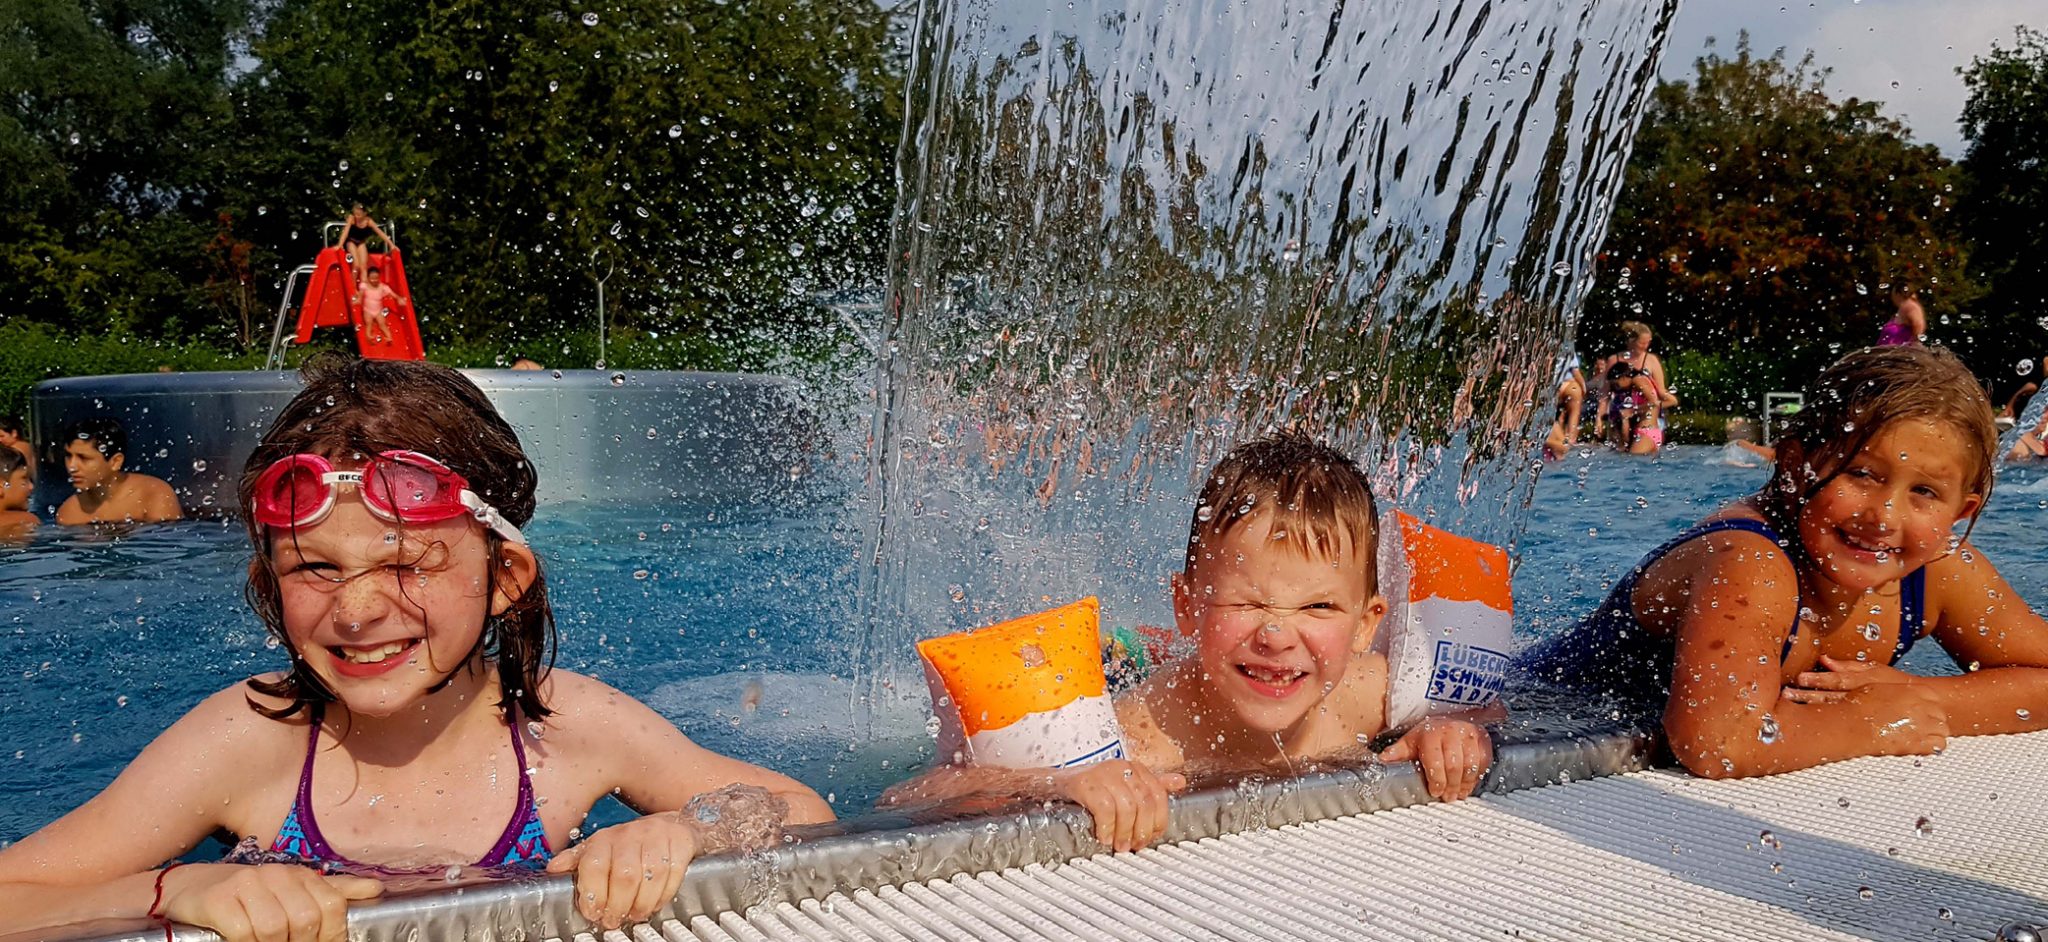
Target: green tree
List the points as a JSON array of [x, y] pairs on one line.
[[1761, 216], [726, 160], [2005, 200], [108, 159]]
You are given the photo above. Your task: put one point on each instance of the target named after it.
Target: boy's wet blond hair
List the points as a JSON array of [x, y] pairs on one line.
[[1319, 499], [1862, 393]]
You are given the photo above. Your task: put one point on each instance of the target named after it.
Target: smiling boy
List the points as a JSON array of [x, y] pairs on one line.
[[1280, 597]]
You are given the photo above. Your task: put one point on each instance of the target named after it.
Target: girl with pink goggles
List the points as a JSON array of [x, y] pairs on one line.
[[398, 486]]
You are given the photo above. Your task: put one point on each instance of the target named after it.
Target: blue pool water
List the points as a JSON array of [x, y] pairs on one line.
[[733, 623]]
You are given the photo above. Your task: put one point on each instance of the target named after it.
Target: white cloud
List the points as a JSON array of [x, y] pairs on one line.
[[1905, 53]]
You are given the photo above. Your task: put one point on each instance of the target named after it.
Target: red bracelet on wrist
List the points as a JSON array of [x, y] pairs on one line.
[[156, 904]]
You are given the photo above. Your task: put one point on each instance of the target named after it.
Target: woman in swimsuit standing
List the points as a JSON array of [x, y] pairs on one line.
[[1909, 320], [355, 237]]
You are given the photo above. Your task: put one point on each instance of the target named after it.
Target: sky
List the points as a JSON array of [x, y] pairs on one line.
[[1903, 53]]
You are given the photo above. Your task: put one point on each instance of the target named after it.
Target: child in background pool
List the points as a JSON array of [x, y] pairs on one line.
[[1768, 631], [1281, 599], [16, 484], [95, 455], [14, 436], [419, 724]]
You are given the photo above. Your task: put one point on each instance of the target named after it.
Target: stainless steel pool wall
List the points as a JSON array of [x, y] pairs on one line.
[[593, 435], [885, 850]]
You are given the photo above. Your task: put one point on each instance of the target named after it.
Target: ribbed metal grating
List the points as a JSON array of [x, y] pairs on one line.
[[1946, 847]]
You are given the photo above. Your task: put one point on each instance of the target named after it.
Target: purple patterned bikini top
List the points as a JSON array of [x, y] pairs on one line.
[[523, 845]]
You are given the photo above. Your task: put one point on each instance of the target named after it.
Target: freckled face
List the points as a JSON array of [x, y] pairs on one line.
[[1893, 508], [1275, 630], [378, 617]]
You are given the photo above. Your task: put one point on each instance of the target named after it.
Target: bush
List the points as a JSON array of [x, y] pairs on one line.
[[35, 352]]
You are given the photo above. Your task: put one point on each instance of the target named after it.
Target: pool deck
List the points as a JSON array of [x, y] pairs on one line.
[[1946, 847], [1941, 847]]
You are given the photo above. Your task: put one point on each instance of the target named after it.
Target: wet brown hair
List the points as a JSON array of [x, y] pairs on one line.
[[1317, 495], [351, 409], [1855, 399]]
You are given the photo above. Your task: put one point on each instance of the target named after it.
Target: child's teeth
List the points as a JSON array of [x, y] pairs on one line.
[[372, 655]]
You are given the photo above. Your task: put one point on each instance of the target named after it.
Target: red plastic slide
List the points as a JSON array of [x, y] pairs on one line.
[[327, 305]]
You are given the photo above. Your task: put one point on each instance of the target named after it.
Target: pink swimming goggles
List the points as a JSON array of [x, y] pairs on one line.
[[399, 486]]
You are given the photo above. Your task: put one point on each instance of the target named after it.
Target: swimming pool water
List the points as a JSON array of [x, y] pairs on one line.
[[734, 623]]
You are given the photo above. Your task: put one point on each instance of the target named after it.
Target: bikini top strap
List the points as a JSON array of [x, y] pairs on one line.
[[523, 811], [305, 800], [1912, 611]]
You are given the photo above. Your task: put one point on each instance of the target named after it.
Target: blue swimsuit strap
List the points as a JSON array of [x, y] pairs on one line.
[[1912, 589], [1912, 611], [1743, 524]]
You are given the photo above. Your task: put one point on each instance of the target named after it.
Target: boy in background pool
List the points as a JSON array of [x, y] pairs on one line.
[[1280, 596], [16, 484], [95, 455]]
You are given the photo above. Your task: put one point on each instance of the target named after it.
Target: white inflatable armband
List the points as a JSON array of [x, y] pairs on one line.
[[1450, 619], [1024, 694]]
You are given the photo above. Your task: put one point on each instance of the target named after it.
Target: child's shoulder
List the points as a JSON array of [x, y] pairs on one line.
[[227, 731], [580, 703]]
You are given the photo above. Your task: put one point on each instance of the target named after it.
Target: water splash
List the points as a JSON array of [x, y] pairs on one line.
[[1130, 235]]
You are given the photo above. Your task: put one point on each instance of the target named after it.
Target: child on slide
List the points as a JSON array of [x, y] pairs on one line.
[[1281, 598], [418, 724], [1767, 633]]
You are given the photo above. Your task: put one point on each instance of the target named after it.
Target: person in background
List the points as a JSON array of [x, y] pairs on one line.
[[16, 484], [1909, 320], [1635, 355], [14, 436], [95, 456], [355, 237], [2032, 444], [526, 363], [1571, 401], [377, 299]]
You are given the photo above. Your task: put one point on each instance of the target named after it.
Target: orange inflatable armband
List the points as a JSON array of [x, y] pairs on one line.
[[1025, 693], [1450, 619]]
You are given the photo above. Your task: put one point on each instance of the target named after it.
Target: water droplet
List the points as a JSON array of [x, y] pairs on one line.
[[2023, 713], [1946, 914], [639, 575], [1768, 731], [74, 137], [1871, 632], [1841, 802], [1770, 840], [198, 464], [618, 379], [453, 873], [2025, 366], [675, 130], [342, 166], [1561, 269], [652, 434], [1864, 892], [590, 19], [796, 250]]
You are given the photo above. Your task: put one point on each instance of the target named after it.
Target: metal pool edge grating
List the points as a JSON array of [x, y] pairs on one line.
[[886, 851]]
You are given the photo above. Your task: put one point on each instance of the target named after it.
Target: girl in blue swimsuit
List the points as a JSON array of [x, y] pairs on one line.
[[1767, 634], [418, 727]]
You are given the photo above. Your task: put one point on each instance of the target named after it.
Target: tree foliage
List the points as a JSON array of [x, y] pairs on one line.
[[1760, 215], [2005, 202], [167, 161]]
